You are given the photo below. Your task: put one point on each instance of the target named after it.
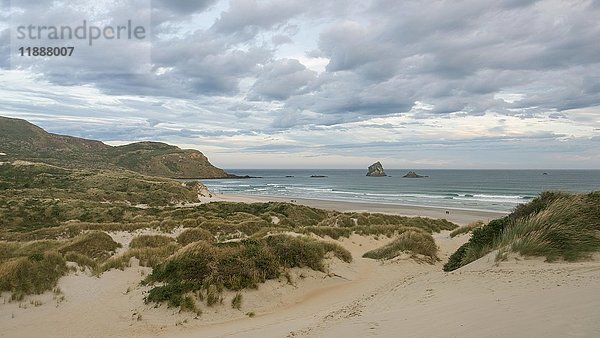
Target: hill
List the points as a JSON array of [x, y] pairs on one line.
[[21, 140]]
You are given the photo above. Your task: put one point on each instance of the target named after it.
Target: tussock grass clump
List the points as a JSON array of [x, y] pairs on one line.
[[554, 225], [330, 231], [414, 242], [431, 225], [81, 260], [193, 235], [236, 301], [96, 245], [482, 241], [270, 231], [341, 220], [304, 252], [227, 226], [387, 230], [34, 274], [150, 241], [18, 249], [188, 304], [208, 269], [466, 228], [148, 256], [566, 229]]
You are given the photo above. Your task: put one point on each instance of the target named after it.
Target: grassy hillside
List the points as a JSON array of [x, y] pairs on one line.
[[21, 140], [554, 225]]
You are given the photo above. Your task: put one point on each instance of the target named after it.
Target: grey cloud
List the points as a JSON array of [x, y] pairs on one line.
[[4, 48], [457, 55], [247, 17], [453, 55], [280, 39], [281, 79], [183, 6]]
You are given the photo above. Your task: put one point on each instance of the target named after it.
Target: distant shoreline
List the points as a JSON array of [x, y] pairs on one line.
[[459, 216]]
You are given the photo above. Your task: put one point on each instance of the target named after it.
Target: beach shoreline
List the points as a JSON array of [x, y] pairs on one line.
[[458, 216]]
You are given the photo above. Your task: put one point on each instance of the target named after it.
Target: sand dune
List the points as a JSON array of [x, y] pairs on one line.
[[518, 297]]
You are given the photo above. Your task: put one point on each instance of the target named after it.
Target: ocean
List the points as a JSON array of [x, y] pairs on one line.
[[496, 190]]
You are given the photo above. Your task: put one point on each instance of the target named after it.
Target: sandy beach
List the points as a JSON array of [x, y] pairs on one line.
[[458, 216], [400, 297]]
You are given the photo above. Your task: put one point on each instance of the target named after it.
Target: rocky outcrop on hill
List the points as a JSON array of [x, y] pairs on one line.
[[376, 169], [412, 174]]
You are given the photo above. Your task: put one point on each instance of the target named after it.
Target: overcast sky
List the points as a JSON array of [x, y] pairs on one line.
[[334, 84]]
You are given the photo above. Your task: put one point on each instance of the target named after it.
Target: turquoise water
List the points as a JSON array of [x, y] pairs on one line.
[[499, 190]]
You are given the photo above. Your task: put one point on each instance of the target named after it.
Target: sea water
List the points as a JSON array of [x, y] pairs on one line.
[[497, 190]]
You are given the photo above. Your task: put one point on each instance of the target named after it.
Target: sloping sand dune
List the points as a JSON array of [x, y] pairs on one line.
[[364, 298]]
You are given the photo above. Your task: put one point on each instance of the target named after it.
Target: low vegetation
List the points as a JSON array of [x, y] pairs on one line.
[[207, 270], [96, 245], [150, 241], [32, 274], [418, 243], [51, 215], [194, 235], [465, 229], [554, 225]]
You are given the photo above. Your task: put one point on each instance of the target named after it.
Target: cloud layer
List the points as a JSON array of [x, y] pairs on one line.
[[468, 83]]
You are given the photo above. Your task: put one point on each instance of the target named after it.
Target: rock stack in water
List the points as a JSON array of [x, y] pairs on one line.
[[412, 174], [376, 169]]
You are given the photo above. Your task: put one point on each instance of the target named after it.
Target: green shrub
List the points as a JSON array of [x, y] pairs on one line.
[[482, 242], [455, 260]]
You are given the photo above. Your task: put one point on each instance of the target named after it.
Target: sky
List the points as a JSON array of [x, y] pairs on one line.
[[462, 84]]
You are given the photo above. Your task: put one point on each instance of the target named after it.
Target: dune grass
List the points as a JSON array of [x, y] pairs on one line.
[[413, 242], [193, 235], [95, 245], [208, 269], [81, 260], [147, 256], [150, 241], [465, 229], [568, 229], [236, 301], [65, 213], [555, 225], [31, 275]]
